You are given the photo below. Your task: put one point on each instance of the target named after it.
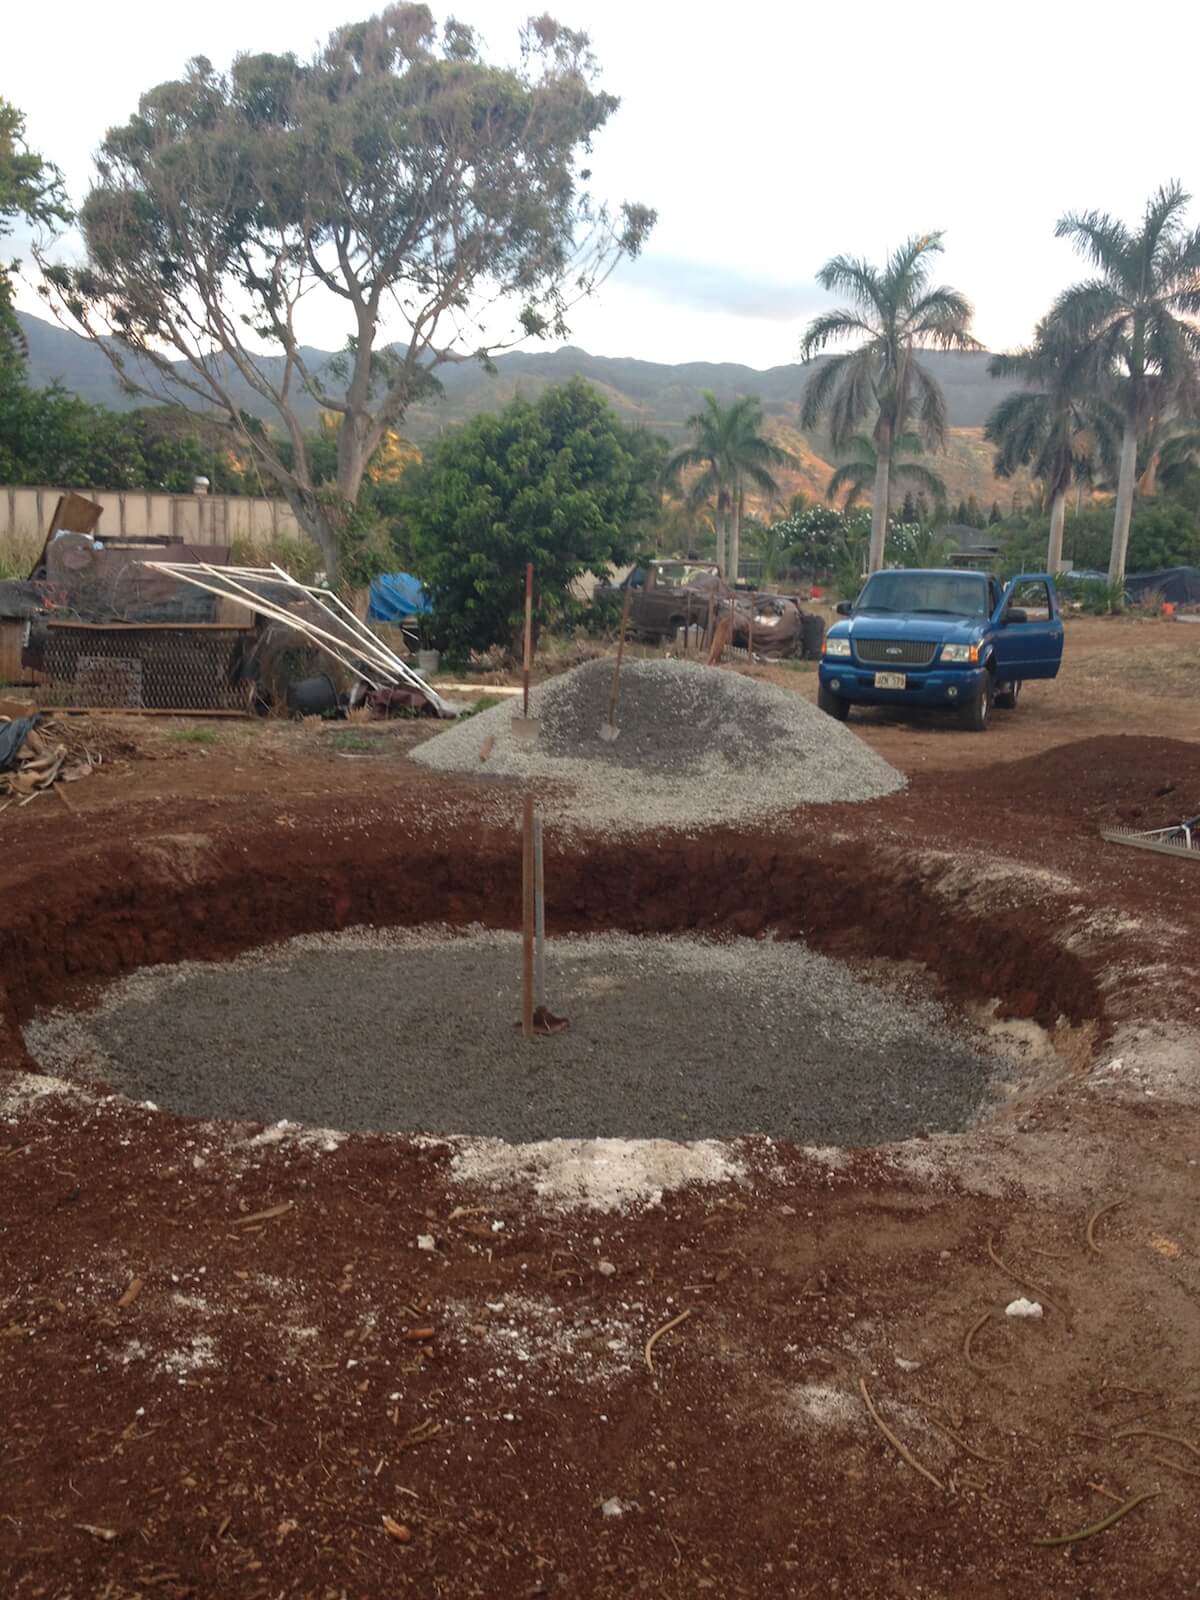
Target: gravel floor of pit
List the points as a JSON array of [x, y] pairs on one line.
[[697, 746], [414, 1031]]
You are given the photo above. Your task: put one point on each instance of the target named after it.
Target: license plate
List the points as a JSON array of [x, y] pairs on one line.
[[891, 680]]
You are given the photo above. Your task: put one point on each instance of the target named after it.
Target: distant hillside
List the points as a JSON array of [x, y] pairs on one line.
[[644, 393]]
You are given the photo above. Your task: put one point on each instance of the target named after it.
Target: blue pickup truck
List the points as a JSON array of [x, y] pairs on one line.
[[941, 638]]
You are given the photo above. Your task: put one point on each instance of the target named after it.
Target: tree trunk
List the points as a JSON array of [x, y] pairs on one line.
[[735, 534], [722, 520], [321, 531], [1058, 511], [1124, 507], [879, 499]]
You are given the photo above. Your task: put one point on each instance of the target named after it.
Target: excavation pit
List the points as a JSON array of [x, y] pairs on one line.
[[413, 1031]]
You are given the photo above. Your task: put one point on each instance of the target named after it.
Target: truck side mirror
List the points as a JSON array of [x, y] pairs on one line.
[[1015, 614], [843, 608]]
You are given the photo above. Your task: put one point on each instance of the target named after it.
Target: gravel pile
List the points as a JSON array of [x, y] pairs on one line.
[[413, 1031], [697, 747]]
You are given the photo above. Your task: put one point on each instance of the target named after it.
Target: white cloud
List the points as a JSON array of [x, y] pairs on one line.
[[767, 137]]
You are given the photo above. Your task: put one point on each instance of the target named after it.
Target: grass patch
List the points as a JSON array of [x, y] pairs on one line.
[[201, 735], [484, 703], [353, 742]]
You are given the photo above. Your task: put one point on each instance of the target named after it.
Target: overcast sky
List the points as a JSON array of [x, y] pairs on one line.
[[767, 137]]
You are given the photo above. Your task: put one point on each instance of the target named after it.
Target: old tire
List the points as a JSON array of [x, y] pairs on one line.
[[833, 705], [976, 715]]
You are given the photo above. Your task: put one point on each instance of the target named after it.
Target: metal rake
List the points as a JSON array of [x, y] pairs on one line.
[[1181, 840]]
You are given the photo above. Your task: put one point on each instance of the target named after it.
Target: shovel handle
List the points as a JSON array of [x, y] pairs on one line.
[[528, 657], [616, 683]]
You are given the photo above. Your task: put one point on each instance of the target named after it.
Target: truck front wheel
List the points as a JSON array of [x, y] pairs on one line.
[[976, 715], [833, 705]]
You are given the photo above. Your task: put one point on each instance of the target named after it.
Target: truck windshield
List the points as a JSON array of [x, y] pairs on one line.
[[941, 593]]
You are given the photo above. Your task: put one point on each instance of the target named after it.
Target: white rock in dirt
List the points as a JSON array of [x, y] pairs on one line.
[[600, 1174], [613, 1508], [425, 1241], [1023, 1308]]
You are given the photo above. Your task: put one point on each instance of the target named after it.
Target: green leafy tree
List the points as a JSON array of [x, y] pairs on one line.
[[856, 476], [773, 544], [1133, 328], [908, 512], [396, 175], [911, 545], [1058, 426], [893, 314], [560, 483], [994, 514], [31, 192], [50, 436], [729, 454], [818, 538]]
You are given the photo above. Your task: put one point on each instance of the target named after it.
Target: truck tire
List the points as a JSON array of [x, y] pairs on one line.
[[812, 634], [976, 715], [833, 705], [1006, 699]]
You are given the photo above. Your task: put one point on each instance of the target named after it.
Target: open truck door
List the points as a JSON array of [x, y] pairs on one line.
[[1028, 639]]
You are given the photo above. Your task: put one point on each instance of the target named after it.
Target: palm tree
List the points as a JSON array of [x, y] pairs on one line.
[[858, 474], [1056, 427], [893, 314], [733, 454], [1132, 328]]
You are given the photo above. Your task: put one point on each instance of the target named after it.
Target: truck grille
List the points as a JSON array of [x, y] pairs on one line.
[[895, 652]]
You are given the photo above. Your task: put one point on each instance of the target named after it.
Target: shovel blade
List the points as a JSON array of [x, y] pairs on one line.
[[525, 729], [609, 731]]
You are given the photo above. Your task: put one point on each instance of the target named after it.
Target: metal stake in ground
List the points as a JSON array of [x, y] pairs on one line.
[[528, 892], [608, 728], [536, 1016], [525, 727]]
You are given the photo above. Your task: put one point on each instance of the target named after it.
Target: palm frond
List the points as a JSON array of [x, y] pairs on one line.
[[853, 476], [940, 318], [923, 478], [859, 279], [907, 271], [854, 398], [831, 326], [819, 391], [1101, 238], [1161, 225], [931, 407]]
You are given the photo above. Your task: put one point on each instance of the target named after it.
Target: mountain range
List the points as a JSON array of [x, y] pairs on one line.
[[644, 394]]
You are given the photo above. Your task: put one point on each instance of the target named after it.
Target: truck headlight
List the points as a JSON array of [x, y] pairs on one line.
[[837, 647], [960, 652]]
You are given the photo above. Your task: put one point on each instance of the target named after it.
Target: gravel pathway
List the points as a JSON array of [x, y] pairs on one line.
[[697, 746], [413, 1030]]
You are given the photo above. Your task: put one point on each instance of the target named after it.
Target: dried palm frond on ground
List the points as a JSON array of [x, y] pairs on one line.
[[47, 755]]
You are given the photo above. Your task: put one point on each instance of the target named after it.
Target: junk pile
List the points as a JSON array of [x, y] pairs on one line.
[[34, 756], [774, 626], [384, 682], [698, 748]]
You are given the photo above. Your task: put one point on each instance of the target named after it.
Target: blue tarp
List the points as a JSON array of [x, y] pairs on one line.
[[397, 595]]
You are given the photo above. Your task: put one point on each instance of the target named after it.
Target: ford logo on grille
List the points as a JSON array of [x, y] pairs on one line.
[[893, 650]]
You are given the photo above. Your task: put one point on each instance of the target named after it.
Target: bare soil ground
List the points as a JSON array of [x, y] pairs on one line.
[[251, 1362]]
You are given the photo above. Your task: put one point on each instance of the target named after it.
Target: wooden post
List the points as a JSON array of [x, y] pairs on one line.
[[527, 917], [528, 659], [708, 626], [539, 917]]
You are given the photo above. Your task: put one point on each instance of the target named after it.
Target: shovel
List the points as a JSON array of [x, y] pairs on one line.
[[608, 728], [525, 727]]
